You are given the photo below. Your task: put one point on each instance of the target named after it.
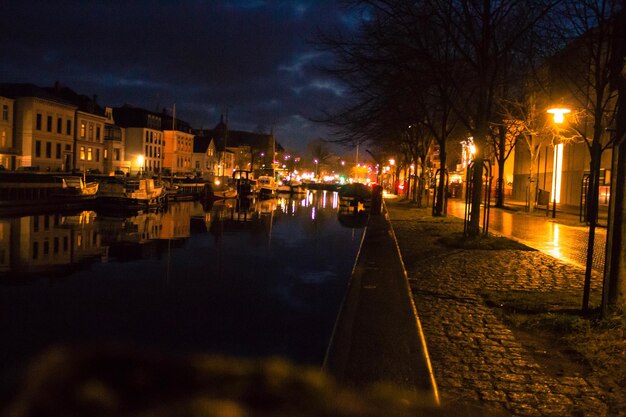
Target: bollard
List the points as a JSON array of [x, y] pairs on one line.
[[377, 200]]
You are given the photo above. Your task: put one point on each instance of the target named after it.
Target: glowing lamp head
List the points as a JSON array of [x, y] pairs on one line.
[[559, 114], [140, 160]]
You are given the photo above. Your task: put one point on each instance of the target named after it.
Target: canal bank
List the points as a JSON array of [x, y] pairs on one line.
[[378, 336]]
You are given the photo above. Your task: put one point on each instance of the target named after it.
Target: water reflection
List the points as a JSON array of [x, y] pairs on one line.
[[41, 243], [250, 278]]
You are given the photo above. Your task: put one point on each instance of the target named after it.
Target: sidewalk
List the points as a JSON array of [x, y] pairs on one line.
[[377, 337], [478, 361]]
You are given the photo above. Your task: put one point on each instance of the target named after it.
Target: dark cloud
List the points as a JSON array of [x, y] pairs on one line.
[[251, 58]]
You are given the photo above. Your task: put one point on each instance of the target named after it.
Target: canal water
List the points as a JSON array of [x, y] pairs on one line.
[[263, 278]]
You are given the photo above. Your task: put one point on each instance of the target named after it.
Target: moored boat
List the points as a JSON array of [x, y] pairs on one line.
[[267, 186], [21, 191], [130, 193]]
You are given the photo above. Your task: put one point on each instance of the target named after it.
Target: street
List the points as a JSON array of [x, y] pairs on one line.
[[565, 242]]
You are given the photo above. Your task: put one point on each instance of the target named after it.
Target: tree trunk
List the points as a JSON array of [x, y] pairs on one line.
[[473, 226], [592, 217], [501, 161], [441, 198], [614, 289], [500, 185], [532, 182]]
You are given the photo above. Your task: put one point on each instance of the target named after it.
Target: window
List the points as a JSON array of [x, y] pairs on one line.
[[58, 151], [105, 154], [46, 247], [38, 126], [48, 150], [59, 125], [97, 155], [68, 127], [49, 123], [5, 112], [98, 133], [83, 130], [116, 154], [82, 153], [90, 131], [38, 149], [89, 154], [3, 139], [55, 245], [35, 250]]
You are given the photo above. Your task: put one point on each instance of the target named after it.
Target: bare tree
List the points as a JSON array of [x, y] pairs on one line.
[[486, 35], [587, 83], [614, 289]]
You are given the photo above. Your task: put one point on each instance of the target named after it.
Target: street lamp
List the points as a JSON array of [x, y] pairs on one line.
[[558, 114], [316, 169]]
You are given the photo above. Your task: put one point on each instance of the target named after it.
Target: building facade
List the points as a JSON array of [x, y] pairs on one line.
[[7, 151], [178, 148], [144, 139], [44, 132]]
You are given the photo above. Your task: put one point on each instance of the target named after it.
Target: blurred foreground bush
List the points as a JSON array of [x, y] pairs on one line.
[[118, 381]]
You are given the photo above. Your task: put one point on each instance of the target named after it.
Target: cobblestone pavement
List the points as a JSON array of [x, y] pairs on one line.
[[478, 361]]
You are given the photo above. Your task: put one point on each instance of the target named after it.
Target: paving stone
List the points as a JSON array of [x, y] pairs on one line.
[[475, 357]]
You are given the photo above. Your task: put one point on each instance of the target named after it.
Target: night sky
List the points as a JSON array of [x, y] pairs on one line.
[[250, 58]]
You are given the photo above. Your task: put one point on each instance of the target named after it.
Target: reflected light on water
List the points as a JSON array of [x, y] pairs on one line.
[[312, 213]]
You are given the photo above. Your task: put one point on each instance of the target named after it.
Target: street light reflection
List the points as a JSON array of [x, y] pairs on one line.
[[556, 247]]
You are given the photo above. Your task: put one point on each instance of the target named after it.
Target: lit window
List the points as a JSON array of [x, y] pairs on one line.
[[82, 153], [83, 130], [105, 154], [89, 154], [90, 131]]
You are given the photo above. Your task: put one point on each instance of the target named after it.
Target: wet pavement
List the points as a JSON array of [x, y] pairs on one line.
[[480, 363], [557, 237]]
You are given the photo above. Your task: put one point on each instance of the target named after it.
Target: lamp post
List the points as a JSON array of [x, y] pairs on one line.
[[558, 114], [316, 169]]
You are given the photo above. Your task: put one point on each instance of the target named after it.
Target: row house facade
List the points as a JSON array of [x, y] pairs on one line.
[[114, 145], [51, 129], [7, 109], [145, 142], [44, 128], [179, 141], [55, 129]]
